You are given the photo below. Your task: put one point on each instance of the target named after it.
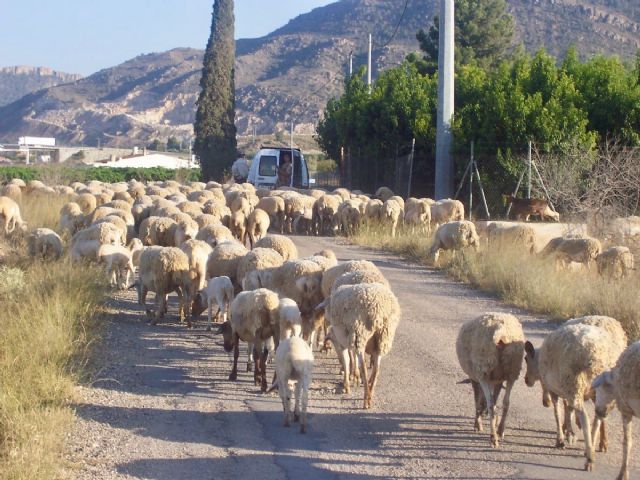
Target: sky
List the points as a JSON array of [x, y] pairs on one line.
[[84, 36]]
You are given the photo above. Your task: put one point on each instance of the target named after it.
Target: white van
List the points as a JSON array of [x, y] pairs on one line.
[[264, 167]]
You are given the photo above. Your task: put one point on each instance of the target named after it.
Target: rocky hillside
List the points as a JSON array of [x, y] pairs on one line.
[[289, 74], [16, 82]]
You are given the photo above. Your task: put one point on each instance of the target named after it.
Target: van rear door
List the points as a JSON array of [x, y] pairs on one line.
[[267, 170]]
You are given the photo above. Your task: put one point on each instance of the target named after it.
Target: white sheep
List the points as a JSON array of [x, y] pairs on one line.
[[254, 319], [289, 319], [512, 236], [490, 350], [118, 264], [71, 218], [10, 212], [164, 270], [220, 292], [615, 262], [330, 275], [391, 213], [136, 248], [86, 242], [580, 250], [567, 362], [622, 385], [45, 243], [384, 193], [238, 226], [224, 260], [294, 361], [281, 244], [257, 225], [363, 318], [417, 214], [198, 253], [454, 236], [274, 206], [258, 259], [325, 209], [446, 210]]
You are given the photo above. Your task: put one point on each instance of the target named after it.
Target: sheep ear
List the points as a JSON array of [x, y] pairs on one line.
[[528, 347], [603, 378], [220, 329]]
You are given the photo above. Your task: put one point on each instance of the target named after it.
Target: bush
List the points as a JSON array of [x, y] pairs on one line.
[[68, 175]]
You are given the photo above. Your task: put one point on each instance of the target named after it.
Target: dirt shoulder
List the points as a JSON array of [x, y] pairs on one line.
[[162, 407]]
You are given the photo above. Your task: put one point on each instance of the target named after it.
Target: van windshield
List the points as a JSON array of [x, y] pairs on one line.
[[268, 166]]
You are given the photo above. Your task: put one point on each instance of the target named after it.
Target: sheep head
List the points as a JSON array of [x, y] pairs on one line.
[[604, 392], [226, 330], [533, 371]]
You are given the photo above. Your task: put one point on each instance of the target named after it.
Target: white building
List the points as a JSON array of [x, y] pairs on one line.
[[148, 161]]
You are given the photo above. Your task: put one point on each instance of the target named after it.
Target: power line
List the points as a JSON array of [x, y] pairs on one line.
[[406, 4]]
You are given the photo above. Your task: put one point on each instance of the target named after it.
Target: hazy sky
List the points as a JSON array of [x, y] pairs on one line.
[[84, 36]]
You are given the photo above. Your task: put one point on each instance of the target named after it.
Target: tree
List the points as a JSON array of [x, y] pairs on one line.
[[215, 130], [156, 145], [484, 33], [173, 144]]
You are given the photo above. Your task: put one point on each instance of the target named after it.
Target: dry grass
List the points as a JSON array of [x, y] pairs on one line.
[[524, 280], [49, 319]]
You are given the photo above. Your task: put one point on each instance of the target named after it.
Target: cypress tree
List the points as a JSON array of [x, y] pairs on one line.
[[215, 130], [484, 33]]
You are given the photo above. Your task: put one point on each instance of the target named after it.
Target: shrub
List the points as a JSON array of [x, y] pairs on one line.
[[62, 174]]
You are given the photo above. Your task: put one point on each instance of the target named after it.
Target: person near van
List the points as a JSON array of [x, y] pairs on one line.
[[240, 170], [284, 171]]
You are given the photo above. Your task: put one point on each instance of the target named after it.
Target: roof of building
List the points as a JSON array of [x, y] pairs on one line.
[[148, 161]]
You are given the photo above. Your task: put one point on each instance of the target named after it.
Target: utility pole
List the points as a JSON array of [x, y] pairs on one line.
[[444, 138], [529, 171], [369, 65]]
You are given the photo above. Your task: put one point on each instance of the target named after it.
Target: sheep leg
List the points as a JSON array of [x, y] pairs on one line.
[[569, 415], [480, 403], [263, 369], [505, 409], [626, 445], [285, 396], [160, 303], [488, 395], [365, 378], [236, 353], [344, 355], [603, 446], [305, 401], [209, 314], [296, 410], [375, 370], [256, 365], [559, 430], [586, 431], [250, 357]]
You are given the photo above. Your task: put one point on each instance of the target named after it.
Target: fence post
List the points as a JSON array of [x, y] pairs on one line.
[[413, 149], [471, 182], [529, 171]]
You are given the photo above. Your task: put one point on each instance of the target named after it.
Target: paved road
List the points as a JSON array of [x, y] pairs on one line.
[[161, 407]]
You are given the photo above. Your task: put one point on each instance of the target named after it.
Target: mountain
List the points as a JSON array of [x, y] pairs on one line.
[[289, 74], [16, 82]]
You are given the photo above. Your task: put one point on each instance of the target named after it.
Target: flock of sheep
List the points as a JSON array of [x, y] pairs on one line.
[[191, 239]]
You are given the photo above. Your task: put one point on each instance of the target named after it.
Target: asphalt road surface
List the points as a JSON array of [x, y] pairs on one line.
[[161, 406]]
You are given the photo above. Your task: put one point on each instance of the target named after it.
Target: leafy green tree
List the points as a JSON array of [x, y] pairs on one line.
[[157, 146], [215, 130], [484, 33], [173, 144]]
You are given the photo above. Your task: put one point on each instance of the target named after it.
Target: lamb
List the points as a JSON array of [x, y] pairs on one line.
[[118, 263], [254, 319], [490, 349], [567, 362], [363, 318], [615, 262], [10, 212], [446, 210], [257, 225], [281, 244], [294, 361], [45, 243], [164, 270], [512, 236], [289, 318], [454, 236], [274, 206], [391, 213], [622, 384], [219, 291]]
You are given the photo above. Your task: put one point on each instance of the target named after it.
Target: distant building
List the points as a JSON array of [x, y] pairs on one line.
[[147, 161]]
